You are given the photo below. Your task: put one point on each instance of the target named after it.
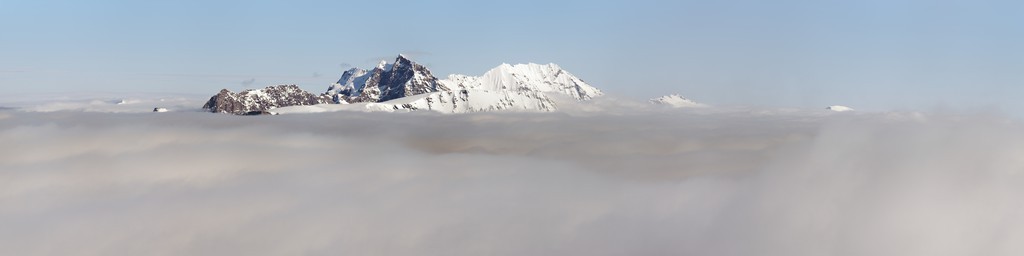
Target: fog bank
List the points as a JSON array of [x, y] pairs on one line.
[[665, 183]]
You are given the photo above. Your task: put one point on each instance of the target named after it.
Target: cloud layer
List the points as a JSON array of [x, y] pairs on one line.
[[667, 183]]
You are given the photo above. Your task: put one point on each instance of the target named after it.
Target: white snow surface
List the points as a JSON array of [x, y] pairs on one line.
[[838, 108], [676, 101]]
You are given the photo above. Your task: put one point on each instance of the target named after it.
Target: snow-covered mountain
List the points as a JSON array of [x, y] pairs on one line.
[[676, 101], [531, 77], [405, 85], [520, 87]]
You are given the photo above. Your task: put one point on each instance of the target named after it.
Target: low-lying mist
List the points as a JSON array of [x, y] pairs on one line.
[[666, 183]]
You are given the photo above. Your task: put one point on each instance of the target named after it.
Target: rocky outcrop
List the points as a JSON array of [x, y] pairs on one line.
[[250, 102]]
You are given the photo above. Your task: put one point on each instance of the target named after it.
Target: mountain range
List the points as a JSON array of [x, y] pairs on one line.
[[404, 85]]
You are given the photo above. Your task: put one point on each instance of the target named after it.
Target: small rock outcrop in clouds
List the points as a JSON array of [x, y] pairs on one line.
[[261, 100], [838, 108], [676, 101]]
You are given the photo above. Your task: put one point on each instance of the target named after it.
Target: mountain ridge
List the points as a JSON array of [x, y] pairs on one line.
[[405, 85], [258, 101]]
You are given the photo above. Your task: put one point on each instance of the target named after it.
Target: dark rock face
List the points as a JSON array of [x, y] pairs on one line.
[[250, 102], [387, 82], [406, 78]]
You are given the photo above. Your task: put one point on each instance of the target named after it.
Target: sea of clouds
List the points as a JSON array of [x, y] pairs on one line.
[[677, 182]]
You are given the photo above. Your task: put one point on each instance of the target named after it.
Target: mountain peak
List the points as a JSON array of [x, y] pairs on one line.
[[349, 74], [402, 61], [387, 81], [527, 66], [544, 78], [383, 65], [676, 101]]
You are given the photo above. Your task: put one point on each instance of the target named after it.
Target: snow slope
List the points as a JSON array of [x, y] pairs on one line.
[[447, 102], [351, 82]]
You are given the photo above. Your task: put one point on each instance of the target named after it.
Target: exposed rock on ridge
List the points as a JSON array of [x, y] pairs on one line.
[[258, 101]]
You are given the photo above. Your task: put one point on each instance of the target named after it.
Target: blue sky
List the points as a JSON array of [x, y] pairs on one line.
[[874, 55]]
